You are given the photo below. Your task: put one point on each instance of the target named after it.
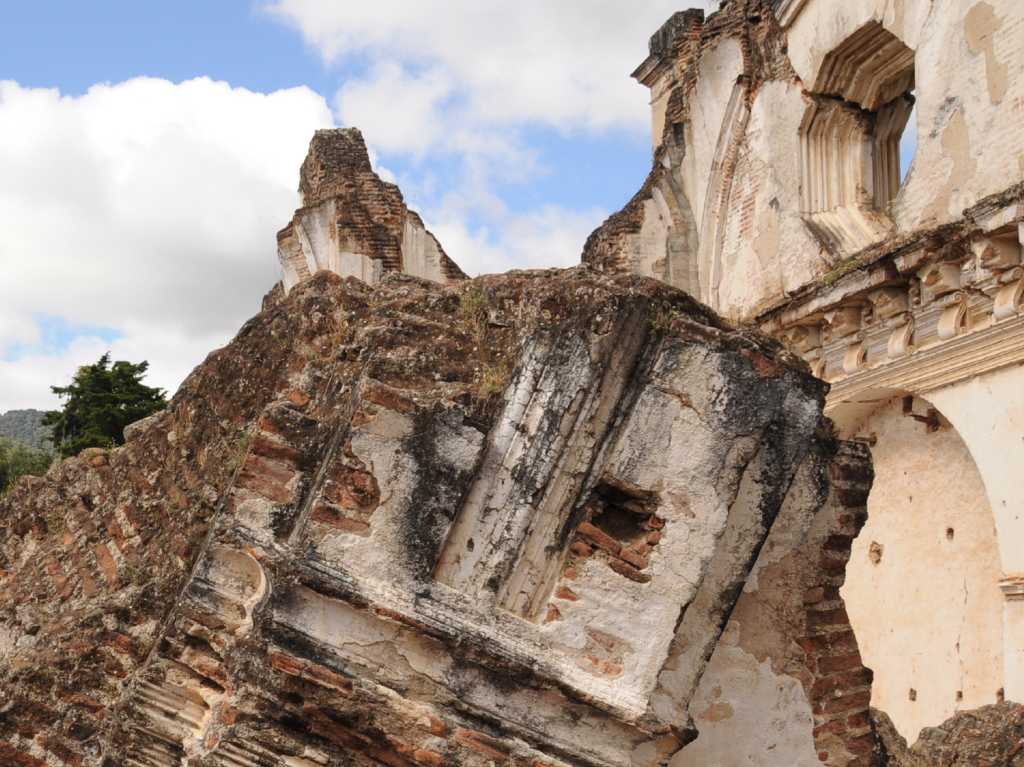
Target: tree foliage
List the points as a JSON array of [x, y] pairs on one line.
[[17, 459], [99, 402]]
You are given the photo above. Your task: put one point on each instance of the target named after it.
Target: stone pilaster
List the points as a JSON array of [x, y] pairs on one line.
[[1013, 636]]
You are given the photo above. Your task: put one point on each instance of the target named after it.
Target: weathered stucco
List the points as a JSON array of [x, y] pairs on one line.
[[572, 517], [729, 96], [923, 589], [500, 522], [777, 126]]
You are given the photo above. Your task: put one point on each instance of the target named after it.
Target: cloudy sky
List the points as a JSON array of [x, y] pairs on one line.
[[150, 151]]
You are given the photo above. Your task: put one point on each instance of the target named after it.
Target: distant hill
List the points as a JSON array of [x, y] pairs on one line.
[[25, 426]]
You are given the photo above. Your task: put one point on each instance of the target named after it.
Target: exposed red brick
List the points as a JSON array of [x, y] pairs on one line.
[[628, 571], [326, 514], [581, 549], [298, 398], [428, 757], [275, 451], [483, 744], [636, 558], [599, 538], [268, 478]]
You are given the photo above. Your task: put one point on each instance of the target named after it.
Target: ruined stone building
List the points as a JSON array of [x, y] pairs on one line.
[[354, 224], [778, 198], [575, 517]]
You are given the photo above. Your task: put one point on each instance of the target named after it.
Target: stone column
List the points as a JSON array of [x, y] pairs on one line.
[[1013, 636]]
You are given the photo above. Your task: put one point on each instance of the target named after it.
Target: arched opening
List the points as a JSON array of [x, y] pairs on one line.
[[922, 586], [852, 138]]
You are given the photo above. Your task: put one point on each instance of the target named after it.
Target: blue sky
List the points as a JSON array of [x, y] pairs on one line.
[[238, 42], [74, 45], [152, 149], [151, 152]]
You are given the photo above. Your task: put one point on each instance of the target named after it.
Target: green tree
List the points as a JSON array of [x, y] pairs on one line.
[[99, 402], [17, 459]]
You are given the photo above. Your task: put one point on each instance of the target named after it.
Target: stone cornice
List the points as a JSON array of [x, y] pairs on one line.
[[945, 310], [896, 254], [649, 71], [969, 355]]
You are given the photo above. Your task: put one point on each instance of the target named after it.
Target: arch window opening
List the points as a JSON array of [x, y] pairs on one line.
[[855, 147], [891, 141], [908, 143]]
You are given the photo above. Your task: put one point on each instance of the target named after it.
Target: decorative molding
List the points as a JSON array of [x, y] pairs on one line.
[[1008, 299], [1012, 587], [940, 279], [901, 340], [850, 138], [843, 321], [719, 190], [854, 358], [786, 11], [953, 311], [956, 360], [953, 318]]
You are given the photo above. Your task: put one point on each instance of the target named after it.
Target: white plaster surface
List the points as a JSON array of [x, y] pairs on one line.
[[755, 247], [748, 715], [719, 69], [928, 614], [988, 411], [768, 249]]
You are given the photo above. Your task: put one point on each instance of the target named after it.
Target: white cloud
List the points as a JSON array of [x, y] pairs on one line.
[[467, 78], [150, 207], [147, 207], [562, 64], [548, 237], [420, 99]]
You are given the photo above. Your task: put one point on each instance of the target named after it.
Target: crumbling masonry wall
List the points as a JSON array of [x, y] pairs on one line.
[[505, 522], [567, 517], [778, 197]]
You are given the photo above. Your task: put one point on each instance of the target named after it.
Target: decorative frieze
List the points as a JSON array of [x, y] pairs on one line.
[[843, 321], [889, 302], [917, 301], [901, 340], [939, 279], [854, 358]]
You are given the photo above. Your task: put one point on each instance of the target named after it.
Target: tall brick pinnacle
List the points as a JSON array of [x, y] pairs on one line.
[[354, 223], [335, 156]]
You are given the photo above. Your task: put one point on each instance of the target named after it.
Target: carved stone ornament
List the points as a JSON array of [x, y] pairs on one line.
[[1008, 300], [854, 358], [888, 302], [844, 321], [901, 340], [803, 338], [940, 279], [953, 318]]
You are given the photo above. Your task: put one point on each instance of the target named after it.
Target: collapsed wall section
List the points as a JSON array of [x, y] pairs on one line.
[[499, 523]]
